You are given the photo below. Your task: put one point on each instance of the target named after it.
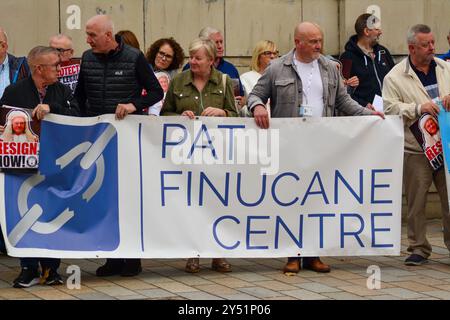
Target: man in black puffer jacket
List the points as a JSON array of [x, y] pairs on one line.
[[113, 74], [112, 78], [366, 59]]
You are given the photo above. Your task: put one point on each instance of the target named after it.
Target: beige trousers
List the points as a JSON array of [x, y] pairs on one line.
[[418, 176]]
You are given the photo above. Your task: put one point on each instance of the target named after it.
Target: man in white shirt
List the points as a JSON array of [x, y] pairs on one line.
[[303, 83]]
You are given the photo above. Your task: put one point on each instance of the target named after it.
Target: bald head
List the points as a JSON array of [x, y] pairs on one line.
[[308, 39], [100, 34], [303, 29]]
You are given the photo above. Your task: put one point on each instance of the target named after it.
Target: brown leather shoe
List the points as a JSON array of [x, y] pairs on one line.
[[292, 266], [316, 265], [192, 265], [221, 265]]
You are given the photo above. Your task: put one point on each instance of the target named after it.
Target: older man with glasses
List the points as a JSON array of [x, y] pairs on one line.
[[70, 66], [220, 63], [46, 94]]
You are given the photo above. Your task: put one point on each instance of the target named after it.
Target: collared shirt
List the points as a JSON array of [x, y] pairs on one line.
[[183, 95], [429, 81], [4, 75], [227, 68], [312, 85]]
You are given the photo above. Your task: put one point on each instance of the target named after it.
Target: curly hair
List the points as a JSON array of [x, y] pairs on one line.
[[178, 56]]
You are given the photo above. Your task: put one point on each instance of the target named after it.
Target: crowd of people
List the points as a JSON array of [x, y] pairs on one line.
[[301, 83]]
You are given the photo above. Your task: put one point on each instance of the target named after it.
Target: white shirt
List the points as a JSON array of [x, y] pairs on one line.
[[249, 80], [312, 85]]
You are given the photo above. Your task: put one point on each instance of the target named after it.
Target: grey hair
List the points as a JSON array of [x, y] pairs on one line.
[[61, 36], [207, 31], [415, 30], [37, 52], [106, 25]]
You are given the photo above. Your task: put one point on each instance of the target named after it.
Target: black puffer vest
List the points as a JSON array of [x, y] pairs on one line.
[[110, 79]]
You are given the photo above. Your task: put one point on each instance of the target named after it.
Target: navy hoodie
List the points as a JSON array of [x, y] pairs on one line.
[[370, 72]]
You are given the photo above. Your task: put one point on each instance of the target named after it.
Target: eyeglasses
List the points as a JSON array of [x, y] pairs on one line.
[[62, 50], [426, 44], [270, 53], [163, 55]]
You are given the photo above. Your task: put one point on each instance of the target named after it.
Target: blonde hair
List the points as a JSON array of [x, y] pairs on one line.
[[209, 45], [261, 46]]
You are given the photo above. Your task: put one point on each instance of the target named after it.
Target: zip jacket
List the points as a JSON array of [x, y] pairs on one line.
[[370, 72]]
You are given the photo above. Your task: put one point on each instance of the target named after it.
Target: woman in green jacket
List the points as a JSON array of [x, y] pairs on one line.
[[201, 91]]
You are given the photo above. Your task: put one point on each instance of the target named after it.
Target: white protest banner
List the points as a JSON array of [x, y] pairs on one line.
[[172, 187]]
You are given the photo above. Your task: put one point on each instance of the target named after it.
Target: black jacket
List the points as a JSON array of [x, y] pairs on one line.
[[370, 72], [120, 76], [24, 94], [18, 68]]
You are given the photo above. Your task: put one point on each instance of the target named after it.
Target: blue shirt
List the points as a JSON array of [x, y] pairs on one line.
[[4, 75], [445, 56], [227, 68], [429, 80]]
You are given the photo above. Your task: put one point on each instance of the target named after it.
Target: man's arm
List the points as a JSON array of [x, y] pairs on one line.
[[258, 98], [262, 90], [393, 103], [67, 105], [147, 79], [345, 103]]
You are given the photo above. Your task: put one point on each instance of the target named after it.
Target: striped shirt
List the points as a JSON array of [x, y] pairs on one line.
[[429, 80]]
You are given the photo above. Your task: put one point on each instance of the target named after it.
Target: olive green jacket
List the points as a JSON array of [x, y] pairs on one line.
[[183, 95]]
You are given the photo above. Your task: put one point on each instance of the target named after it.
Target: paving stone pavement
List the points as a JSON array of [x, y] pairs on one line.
[[251, 279]]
